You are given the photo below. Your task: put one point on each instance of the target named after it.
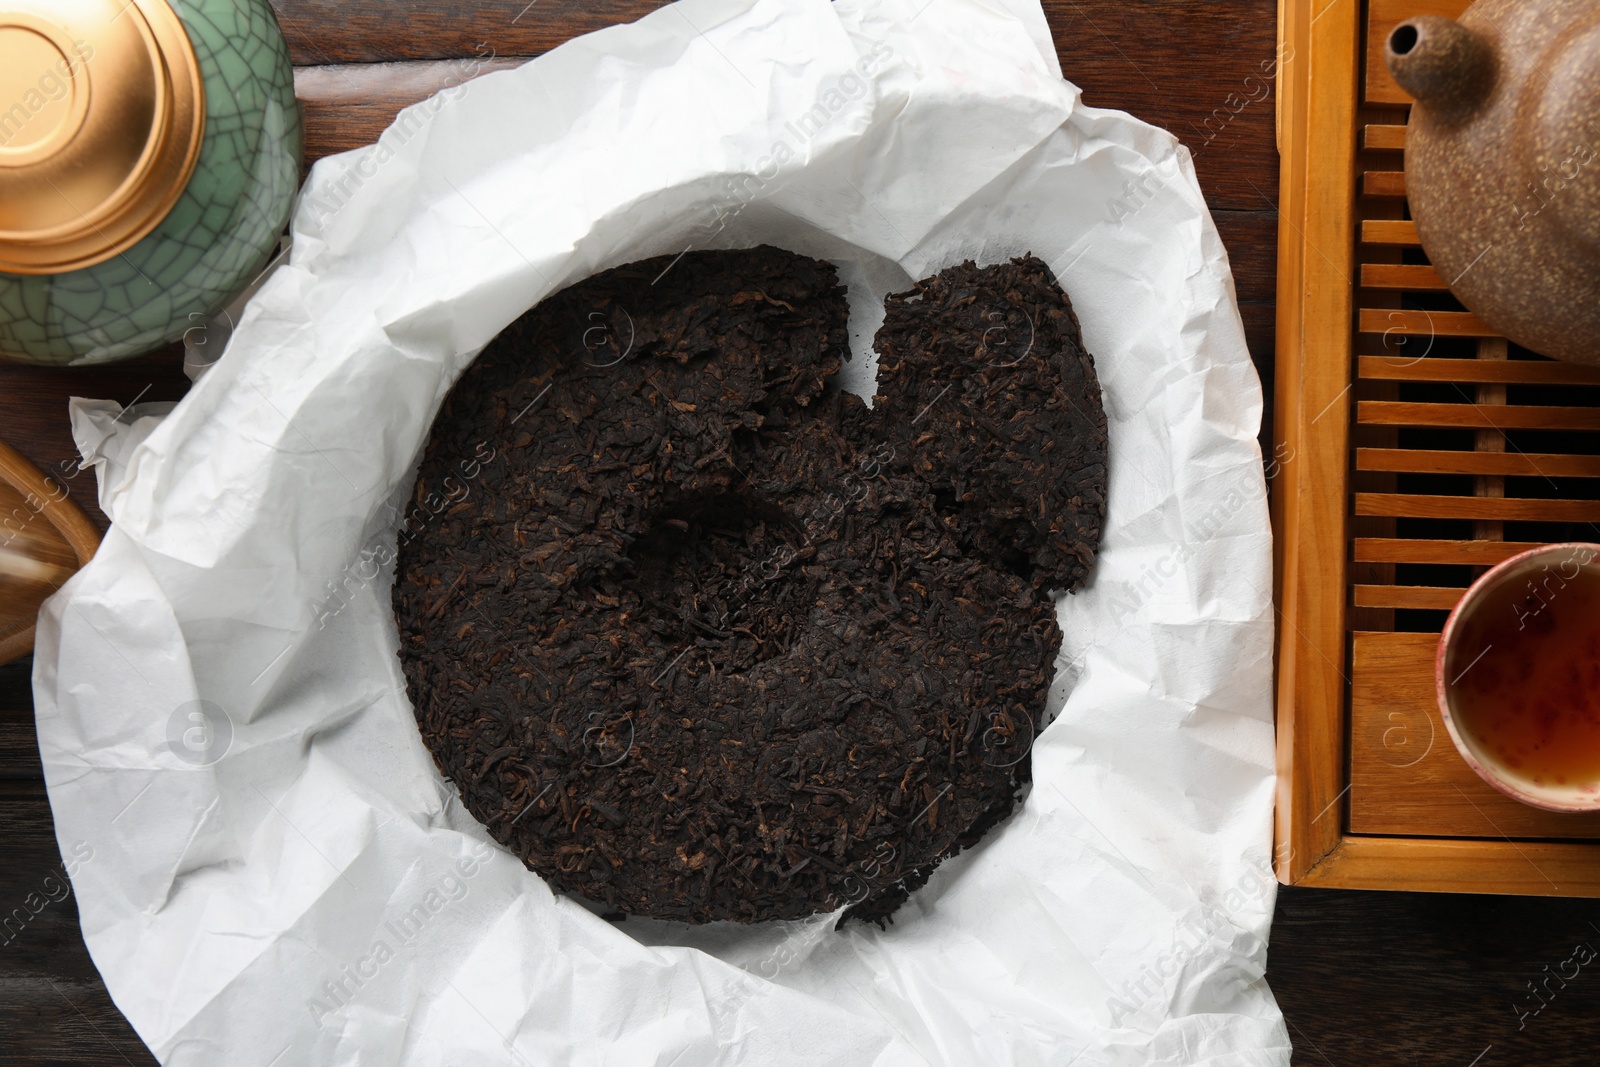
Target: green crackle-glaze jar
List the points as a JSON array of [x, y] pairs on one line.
[[149, 156]]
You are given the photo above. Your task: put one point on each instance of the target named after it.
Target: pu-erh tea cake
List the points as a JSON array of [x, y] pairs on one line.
[[700, 636]]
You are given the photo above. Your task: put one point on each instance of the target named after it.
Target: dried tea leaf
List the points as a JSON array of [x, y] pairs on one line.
[[699, 636]]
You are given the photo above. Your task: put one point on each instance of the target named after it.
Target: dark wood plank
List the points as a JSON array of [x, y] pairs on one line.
[[63, 1022], [1431, 979], [54, 1007], [346, 106], [1201, 69], [19, 746], [1406, 978], [1251, 238], [337, 31], [19, 743], [39, 932], [28, 825], [16, 688], [351, 106], [1206, 72], [33, 410]]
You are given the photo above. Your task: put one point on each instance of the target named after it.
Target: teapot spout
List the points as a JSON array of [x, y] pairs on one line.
[[1447, 67]]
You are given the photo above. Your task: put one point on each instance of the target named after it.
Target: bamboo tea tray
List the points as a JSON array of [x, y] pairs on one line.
[[1413, 449]]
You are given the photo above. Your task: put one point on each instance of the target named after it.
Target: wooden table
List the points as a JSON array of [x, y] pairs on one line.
[[1364, 978]]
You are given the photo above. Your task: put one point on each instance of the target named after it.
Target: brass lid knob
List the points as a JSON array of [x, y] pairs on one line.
[[102, 113]]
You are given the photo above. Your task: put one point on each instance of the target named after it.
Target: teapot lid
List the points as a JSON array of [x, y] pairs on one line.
[[102, 114]]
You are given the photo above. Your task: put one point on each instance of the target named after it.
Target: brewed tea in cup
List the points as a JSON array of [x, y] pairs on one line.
[[1518, 677]]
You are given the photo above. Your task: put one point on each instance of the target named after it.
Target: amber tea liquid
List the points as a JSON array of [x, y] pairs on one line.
[[1525, 675]]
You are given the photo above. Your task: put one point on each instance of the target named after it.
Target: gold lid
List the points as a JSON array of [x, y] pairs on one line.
[[102, 111]]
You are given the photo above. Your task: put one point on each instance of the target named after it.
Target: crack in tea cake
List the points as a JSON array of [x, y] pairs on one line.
[[700, 636]]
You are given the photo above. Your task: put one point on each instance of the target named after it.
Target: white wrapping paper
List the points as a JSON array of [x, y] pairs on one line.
[[279, 874]]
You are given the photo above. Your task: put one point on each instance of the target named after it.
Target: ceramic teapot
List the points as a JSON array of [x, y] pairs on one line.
[[149, 156], [1503, 164]]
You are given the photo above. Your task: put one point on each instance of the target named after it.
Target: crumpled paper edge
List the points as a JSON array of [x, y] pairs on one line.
[[142, 471]]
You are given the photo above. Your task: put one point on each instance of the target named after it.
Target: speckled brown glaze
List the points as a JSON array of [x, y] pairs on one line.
[[1503, 164]]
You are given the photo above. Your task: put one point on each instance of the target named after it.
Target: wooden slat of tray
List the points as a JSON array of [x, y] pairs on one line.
[[1383, 136], [1501, 417], [1401, 232], [1434, 506], [1521, 371], [1400, 276], [1383, 183], [1454, 553], [1504, 464], [1382, 17], [1423, 323], [1405, 775]]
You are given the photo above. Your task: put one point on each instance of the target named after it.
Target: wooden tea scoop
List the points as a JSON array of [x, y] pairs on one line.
[[44, 539]]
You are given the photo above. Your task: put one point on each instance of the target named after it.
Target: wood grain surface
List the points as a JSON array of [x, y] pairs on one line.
[[1405, 774], [1311, 430], [53, 1007], [33, 411], [1435, 980], [1197, 69], [1364, 978], [44, 539]]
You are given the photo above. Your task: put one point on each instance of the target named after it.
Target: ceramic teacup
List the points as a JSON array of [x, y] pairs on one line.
[[1518, 677]]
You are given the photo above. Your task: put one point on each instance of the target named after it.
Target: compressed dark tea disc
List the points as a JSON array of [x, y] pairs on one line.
[[699, 636]]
